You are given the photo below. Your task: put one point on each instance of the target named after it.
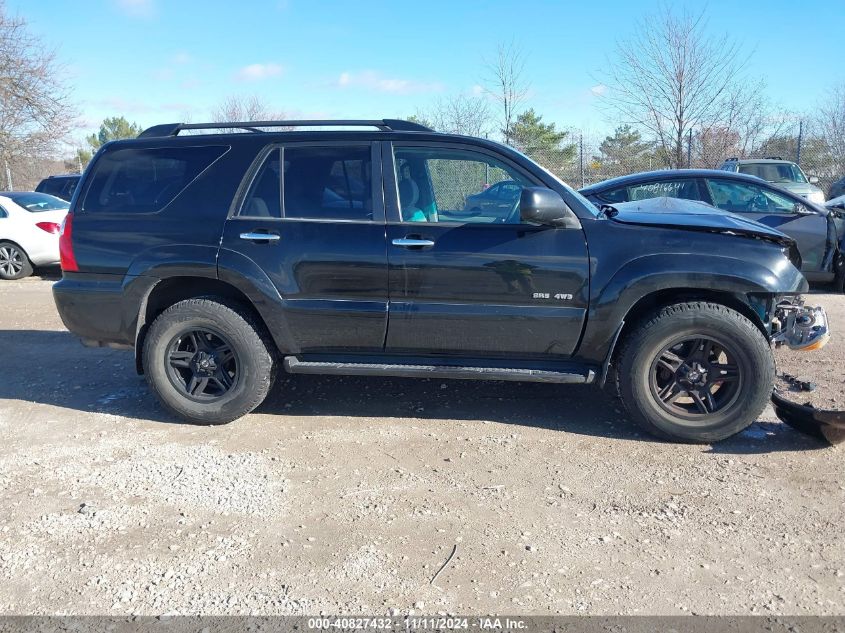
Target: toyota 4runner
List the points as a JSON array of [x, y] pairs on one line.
[[223, 253]]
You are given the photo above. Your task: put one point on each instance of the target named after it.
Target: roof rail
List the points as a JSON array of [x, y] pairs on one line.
[[773, 158], [386, 125]]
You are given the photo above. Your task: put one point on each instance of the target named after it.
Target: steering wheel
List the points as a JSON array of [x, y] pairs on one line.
[[757, 203]]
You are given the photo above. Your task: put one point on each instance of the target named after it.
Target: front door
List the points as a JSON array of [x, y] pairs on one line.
[[764, 204], [470, 279], [313, 220]]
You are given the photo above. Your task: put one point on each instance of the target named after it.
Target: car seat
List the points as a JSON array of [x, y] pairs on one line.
[[409, 196]]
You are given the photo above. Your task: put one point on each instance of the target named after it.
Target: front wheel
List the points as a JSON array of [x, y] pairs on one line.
[[207, 361], [695, 372], [14, 264]]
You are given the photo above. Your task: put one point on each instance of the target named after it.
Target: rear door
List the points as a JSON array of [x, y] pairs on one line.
[[778, 210], [313, 219], [481, 284]]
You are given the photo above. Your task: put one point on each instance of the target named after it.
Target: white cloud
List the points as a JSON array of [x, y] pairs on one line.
[[373, 80], [598, 90], [181, 58], [478, 90], [257, 72], [137, 8]]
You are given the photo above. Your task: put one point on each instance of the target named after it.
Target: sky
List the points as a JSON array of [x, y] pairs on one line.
[[157, 61]]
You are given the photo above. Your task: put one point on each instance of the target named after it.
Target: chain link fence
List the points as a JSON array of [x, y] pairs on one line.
[[586, 164]]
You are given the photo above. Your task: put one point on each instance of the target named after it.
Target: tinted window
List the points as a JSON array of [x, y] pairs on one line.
[[264, 199], [328, 183], [619, 194], [740, 197], [145, 180], [36, 201], [447, 185], [774, 172], [686, 189], [3, 213], [52, 186]]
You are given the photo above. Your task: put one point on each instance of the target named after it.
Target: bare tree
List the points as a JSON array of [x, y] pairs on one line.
[[35, 111], [459, 114], [506, 84], [245, 108], [830, 127], [672, 77]]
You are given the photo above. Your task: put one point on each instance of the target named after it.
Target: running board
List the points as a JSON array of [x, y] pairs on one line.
[[295, 366]]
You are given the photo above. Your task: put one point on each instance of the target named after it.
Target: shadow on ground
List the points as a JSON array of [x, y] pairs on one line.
[[53, 368]]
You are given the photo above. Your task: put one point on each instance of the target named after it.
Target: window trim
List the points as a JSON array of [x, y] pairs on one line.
[[391, 186], [255, 167]]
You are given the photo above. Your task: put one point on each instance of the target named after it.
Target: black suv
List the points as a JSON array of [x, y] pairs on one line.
[[61, 186], [224, 252]]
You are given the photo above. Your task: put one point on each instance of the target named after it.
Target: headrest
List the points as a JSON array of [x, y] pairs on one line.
[[409, 193]]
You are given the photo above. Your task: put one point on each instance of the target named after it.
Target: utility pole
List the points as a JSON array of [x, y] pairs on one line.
[[800, 138], [8, 178], [581, 154]]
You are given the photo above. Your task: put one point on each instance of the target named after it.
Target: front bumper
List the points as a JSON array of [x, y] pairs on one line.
[[800, 327], [825, 424]]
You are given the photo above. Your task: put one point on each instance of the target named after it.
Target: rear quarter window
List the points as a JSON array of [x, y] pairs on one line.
[[145, 180]]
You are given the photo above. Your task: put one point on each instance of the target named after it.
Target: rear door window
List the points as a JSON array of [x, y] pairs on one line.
[[145, 180], [264, 198], [328, 183]]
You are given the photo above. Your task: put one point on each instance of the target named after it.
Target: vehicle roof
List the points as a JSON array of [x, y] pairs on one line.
[[659, 174], [63, 176], [760, 160]]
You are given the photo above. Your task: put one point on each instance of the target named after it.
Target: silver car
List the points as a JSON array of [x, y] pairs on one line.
[[781, 172]]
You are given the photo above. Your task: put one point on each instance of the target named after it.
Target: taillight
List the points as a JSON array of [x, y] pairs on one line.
[[50, 227], [66, 256]]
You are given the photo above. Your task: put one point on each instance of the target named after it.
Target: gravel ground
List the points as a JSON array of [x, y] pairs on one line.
[[347, 495]]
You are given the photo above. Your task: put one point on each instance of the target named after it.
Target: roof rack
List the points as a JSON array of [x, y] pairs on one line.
[[773, 158], [386, 125]]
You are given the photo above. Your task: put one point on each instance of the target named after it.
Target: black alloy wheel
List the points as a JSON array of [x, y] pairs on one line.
[[202, 365]]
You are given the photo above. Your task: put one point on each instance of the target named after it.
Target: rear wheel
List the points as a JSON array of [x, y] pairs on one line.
[[207, 361], [695, 372], [14, 264]]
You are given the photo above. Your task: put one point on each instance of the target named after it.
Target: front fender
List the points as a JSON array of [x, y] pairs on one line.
[[610, 302]]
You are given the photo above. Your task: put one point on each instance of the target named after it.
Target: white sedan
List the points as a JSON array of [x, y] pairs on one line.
[[29, 231]]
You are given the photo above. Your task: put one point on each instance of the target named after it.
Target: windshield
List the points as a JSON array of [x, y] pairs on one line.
[[774, 172], [35, 202]]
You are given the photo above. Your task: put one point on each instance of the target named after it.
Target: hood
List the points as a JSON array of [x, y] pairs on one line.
[[799, 188], [690, 215]]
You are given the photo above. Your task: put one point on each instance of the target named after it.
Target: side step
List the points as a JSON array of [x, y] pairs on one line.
[[295, 366]]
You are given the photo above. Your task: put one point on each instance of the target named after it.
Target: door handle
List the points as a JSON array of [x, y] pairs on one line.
[[262, 237], [409, 242]]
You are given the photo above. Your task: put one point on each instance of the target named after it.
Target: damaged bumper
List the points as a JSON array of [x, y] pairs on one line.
[[824, 424], [800, 327]]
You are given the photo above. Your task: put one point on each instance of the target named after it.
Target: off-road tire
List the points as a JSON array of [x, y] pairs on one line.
[[246, 337], [24, 263], [644, 343]]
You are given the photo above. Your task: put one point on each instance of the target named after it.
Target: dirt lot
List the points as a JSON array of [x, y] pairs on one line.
[[347, 495]]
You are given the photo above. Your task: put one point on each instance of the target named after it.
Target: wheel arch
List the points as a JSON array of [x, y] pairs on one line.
[[171, 290], [652, 302]]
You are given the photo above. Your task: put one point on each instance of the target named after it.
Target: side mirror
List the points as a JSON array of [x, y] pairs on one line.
[[800, 209], [814, 180], [539, 205]]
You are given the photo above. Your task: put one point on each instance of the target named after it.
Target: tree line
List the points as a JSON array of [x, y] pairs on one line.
[[676, 94]]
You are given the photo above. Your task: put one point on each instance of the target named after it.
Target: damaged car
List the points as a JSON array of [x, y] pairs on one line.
[[818, 231], [227, 253]]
